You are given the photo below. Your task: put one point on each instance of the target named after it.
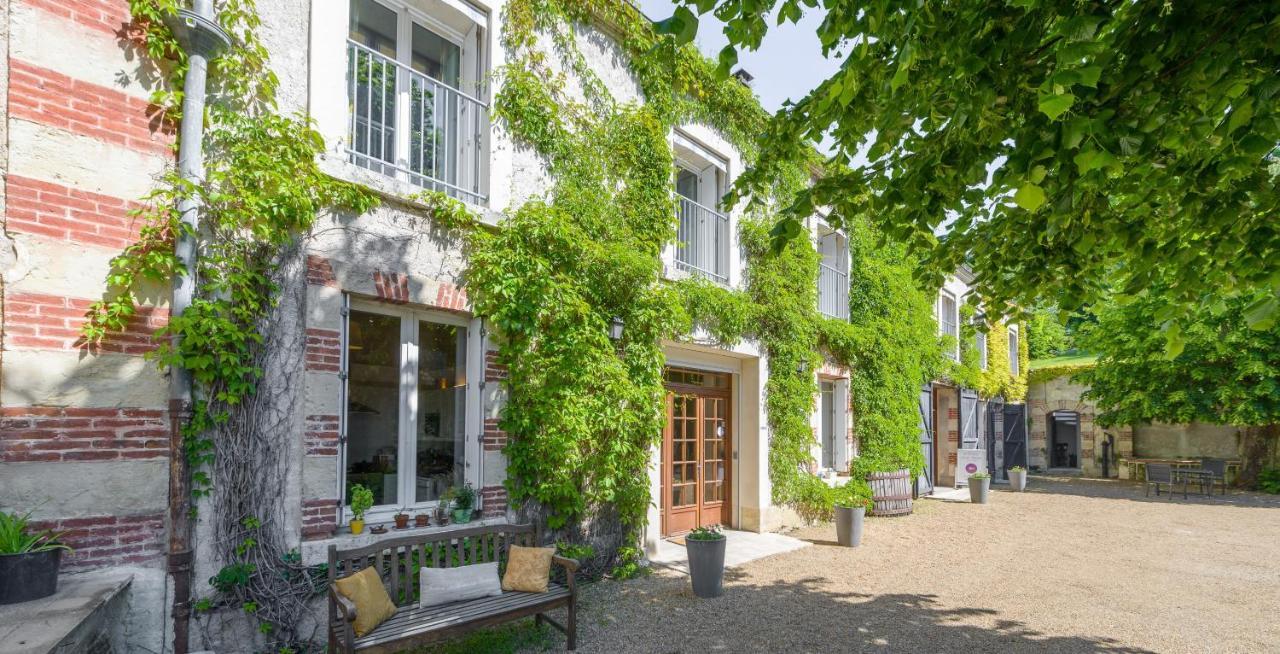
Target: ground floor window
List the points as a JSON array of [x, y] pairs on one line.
[[407, 404]]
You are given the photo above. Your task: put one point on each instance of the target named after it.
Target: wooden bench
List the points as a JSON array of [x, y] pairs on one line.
[[397, 562]]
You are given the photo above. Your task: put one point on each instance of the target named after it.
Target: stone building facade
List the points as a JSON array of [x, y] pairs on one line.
[[84, 438]]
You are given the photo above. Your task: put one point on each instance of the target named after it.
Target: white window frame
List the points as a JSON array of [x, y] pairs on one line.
[[954, 322], [1015, 365], [406, 447], [712, 171], [473, 69], [980, 342]]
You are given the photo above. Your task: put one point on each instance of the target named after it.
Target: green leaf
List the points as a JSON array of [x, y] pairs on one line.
[[1261, 313], [1029, 197], [1089, 76], [1056, 105], [1090, 160], [683, 25], [1174, 343], [726, 61]]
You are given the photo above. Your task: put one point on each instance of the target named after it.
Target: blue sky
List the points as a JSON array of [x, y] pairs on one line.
[[788, 64]]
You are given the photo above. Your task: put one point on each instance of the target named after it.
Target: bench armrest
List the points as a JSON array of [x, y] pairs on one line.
[[346, 608], [570, 566]]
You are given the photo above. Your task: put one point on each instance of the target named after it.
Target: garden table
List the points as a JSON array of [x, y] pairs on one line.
[[1200, 476]]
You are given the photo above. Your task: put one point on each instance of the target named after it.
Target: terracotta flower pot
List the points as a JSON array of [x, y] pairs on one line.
[[402, 521], [421, 520]]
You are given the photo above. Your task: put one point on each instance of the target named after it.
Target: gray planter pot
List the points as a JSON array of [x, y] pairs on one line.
[[849, 525], [706, 566], [1018, 480], [979, 489], [29, 576]]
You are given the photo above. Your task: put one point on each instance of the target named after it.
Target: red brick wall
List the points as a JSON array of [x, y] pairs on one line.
[[64, 434], [322, 435], [51, 322], [50, 98], [324, 350], [392, 287], [68, 214], [493, 437], [110, 16], [494, 500], [319, 518], [111, 540], [451, 297], [320, 271]]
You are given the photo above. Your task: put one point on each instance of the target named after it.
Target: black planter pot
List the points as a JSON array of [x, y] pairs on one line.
[[849, 525], [706, 566], [26, 577]]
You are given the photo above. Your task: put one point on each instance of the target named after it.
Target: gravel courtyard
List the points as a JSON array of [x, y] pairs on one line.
[[1069, 566]]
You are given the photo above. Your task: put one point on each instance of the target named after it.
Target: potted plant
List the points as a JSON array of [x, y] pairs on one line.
[[706, 561], [443, 506], [979, 487], [1018, 478], [29, 560], [421, 520], [464, 501], [361, 502], [851, 503], [402, 520]]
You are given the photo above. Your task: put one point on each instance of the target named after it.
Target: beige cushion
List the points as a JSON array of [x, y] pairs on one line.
[[528, 569], [448, 585], [373, 604]]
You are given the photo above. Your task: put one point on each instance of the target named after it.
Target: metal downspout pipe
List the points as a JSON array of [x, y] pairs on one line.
[[198, 32]]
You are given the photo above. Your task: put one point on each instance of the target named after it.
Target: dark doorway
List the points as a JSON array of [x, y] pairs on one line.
[[1015, 435], [1064, 439], [924, 483]]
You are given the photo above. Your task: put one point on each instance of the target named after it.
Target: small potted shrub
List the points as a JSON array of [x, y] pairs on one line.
[[464, 501], [361, 502], [402, 520], [1018, 478], [421, 520], [851, 503], [443, 506], [706, 561], [979, 487], [29, 560]]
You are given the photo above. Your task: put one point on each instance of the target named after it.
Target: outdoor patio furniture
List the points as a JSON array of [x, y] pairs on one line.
[[1157, 474], [397, 561], [1188, 476], [1218, 467]]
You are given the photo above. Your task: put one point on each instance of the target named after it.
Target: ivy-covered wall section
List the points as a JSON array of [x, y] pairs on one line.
[[997, 380]]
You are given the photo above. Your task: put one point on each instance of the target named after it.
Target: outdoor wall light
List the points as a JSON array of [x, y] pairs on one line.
[[615, 328]]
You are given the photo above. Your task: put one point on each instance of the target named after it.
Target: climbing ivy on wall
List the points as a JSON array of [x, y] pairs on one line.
[[261, 191], [997, 380]]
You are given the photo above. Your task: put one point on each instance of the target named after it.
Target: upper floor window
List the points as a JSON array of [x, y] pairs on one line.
[[980, 342], [949, 321], [1013, 350], [702, 237], [833, 273], [415, 103]]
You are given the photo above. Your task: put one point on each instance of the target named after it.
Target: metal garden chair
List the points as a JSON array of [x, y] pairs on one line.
[[1157, 474]]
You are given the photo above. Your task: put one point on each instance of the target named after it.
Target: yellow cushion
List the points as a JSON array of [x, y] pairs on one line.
[[373, 604], [528, 569]]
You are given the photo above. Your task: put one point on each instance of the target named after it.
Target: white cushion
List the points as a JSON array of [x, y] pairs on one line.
[[448, 585]]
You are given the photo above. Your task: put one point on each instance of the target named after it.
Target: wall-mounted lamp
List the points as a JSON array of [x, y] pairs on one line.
[[803, 367], [615, 328]]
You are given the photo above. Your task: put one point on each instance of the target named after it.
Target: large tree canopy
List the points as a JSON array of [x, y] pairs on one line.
[[1050, 143], [1225, 373]]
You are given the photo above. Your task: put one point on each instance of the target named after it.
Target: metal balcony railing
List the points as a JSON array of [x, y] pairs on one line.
[[833, 292], [703, 241], [443, 148]]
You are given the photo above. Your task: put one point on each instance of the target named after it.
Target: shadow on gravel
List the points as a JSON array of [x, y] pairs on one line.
[[1134, 491], [660, 615]]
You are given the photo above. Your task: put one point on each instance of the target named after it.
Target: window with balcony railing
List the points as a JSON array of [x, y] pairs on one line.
[[408, 115], [702, 237], [833, 276]]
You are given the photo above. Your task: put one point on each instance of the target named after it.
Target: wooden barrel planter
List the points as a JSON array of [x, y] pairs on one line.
[[890, 492]]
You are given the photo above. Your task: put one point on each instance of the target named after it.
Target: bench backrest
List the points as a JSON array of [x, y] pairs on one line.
[[398, 560], [1161, 472]]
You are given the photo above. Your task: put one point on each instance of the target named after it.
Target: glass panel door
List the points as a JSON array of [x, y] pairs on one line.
[[714, 463], [373, 404], [440, 432], [828, 428]]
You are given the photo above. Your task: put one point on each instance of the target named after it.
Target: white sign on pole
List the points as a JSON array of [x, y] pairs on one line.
[[969, 462]]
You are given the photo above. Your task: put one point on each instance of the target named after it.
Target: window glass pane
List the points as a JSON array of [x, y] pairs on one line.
[[373, 26], [687, 184], [373, 404], [442, 400], [435, 56]]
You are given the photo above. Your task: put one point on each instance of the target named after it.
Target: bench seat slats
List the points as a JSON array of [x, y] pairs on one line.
[[411, 621]]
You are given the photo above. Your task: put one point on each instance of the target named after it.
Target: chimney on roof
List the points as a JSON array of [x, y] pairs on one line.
[[744, 77]]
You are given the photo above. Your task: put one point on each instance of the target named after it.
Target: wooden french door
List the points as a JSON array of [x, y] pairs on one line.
[[696, 443]]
